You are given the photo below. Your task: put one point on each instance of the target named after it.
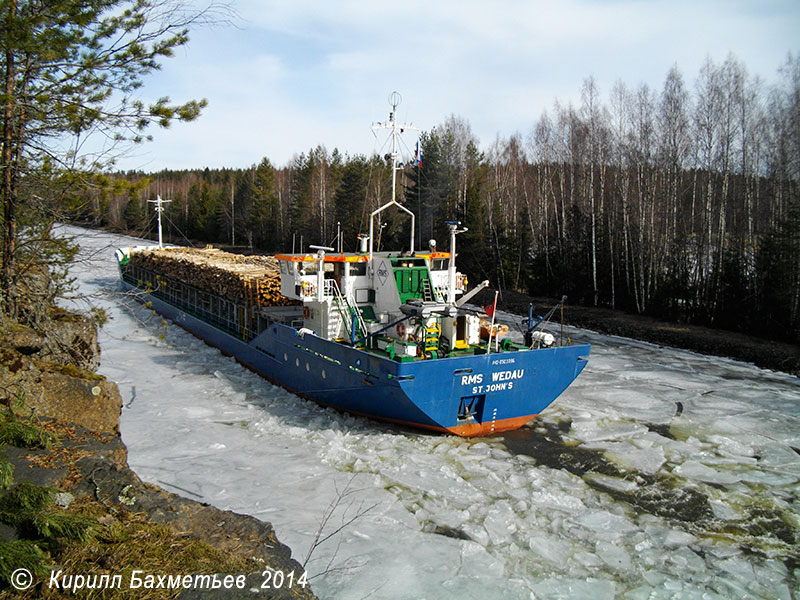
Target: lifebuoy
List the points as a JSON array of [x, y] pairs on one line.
[[306, 312], [401, 330]]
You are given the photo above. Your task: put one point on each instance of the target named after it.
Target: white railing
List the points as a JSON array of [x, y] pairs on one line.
[[344, 307]]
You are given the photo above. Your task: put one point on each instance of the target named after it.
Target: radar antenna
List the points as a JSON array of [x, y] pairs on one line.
[[394, 100]]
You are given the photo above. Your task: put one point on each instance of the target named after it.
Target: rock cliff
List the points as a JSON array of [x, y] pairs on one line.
[[47, 379]]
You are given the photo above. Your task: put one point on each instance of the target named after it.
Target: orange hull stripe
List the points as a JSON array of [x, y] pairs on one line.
[[490, 427], [469, 430]]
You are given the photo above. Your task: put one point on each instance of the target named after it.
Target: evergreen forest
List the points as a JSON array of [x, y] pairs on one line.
[[680, 202]]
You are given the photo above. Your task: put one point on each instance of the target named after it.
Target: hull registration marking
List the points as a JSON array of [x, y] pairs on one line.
[[501, 381]]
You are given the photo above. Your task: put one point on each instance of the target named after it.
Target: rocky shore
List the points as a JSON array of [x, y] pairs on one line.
[[73, 451], [768, 354]]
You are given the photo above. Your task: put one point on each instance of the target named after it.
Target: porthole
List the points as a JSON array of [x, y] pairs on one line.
[[285, 357], [308, 367], [324, 375], [296, 362]]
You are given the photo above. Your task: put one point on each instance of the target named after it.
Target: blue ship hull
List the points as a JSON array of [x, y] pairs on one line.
[[463, 395]]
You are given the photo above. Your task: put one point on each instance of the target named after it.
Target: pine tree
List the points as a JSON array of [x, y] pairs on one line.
[[350, 197], [426, 197], [473, 243], [263, 216], [778, 264], [134, 215], [70, 69], [301, 222]]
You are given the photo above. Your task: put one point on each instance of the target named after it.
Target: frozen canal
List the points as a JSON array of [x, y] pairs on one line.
[[659, 473]]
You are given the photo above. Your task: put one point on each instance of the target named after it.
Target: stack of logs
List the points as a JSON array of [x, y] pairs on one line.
[[250, 279]]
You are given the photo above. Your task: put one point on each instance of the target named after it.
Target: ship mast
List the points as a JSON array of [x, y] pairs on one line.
[[451, 268], [159, 209], [394, 99]]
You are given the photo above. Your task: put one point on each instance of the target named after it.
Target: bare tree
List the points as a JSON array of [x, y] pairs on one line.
[[348, 510], [591, 116], [674, 141]]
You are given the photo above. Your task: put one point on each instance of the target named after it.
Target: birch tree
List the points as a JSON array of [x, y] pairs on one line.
[[591, 116]]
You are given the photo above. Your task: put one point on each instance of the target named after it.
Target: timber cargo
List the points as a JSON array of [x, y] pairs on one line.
[[240, 294], [253, 279]]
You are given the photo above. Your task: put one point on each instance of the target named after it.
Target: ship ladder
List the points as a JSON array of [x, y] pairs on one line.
[[345, 310], [432, 334], [335, 320], [427, 292], [432, 292], [362, 326], [338, 316]]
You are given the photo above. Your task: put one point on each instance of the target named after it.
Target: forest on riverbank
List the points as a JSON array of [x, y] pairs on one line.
[[681, 203]]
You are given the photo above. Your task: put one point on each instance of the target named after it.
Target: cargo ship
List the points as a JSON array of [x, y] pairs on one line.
[[387, 335]]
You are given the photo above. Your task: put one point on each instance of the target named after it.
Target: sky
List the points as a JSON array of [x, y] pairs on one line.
[[289, 75]]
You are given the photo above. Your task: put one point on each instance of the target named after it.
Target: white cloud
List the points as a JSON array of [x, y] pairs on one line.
[[301, 73]]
